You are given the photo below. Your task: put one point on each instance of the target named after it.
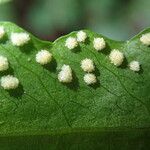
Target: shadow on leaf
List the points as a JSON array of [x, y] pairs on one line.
[[77, 49], [97, 74], [106, 50], [87, 41], [18, 92], [74, 85], [9, 71], [124, 64], [27, 48], [4, 39], [141, 70], [96, 85], [51, 66]]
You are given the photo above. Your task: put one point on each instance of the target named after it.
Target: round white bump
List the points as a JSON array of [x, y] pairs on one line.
[[145, 39], [2, 32], [65, 75], [71, 43], [81, 36], [99, 43], [9, 82], [87, 65], [43, 57], [4, 65], [116, 57], [90, 78], [19, 39], [134, 66]]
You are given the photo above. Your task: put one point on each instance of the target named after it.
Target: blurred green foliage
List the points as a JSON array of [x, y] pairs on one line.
[[48, 19], [4, 1], [5, 12]]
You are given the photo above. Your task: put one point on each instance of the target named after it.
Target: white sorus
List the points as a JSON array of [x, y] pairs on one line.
[[19, 39], [4, 65], [90, 78], [87, 65], [99, 43], [116, 57], [43, 57], [65, 75], [134, 65], [2, 32], [9, 82], [71, 43], [145, 39], [81, 36]]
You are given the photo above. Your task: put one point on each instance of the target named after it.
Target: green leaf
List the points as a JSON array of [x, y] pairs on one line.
[[4, 1], [46, 114]]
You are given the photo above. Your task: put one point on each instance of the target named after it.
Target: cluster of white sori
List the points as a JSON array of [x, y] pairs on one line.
[[99, 44], [4, 64], [7, 82], [73, 42], [134, 65], [81, 36], [44, 57], [19, 39], [116, 57], [65, 75], [88, 66], [2, 32], [145, 39], [90, 78]]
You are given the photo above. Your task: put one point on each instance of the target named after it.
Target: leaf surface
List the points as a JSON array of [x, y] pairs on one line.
[[42, 107]]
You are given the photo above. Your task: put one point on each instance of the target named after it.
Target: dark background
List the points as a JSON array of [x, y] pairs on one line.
[[49, 19]]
